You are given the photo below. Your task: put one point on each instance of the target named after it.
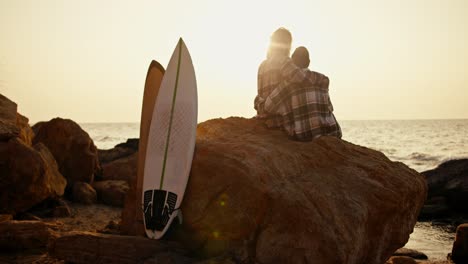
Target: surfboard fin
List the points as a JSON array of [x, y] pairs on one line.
[[180, 218]]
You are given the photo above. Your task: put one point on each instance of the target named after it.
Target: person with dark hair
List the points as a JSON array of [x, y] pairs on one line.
[[291, 97]]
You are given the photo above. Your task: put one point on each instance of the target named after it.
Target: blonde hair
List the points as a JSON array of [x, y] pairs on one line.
[[280, 43]]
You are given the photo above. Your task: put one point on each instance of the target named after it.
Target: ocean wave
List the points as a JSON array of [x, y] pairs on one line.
[[423, 157]]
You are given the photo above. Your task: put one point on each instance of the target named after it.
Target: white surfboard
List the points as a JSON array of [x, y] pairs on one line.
[[171, 143]]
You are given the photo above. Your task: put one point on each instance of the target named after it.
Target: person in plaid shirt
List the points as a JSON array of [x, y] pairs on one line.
[[291, 96]]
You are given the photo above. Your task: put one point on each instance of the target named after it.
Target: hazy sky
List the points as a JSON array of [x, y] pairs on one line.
[[87, 60]]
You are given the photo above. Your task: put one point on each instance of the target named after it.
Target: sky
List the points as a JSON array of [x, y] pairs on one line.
[[87, 60]]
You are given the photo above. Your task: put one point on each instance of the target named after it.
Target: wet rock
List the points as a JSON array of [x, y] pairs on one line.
[[72, 147], [410, 253], [111, 192], [450, 181], [84, 193]]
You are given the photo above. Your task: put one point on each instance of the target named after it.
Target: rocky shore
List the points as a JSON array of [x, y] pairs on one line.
[[253, 197]]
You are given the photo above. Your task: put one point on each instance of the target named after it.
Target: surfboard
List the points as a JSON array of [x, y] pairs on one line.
[[171, 143], [134, 219]]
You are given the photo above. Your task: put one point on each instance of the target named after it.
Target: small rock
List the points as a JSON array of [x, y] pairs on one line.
[[83, 193], [5, 217], [410, 253], [401, 260], [460, 245], [111, 192], [61, 211]]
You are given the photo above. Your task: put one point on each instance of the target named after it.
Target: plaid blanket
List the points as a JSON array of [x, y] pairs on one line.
[[295, 99]]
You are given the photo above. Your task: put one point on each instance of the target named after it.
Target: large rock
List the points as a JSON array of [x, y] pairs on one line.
[[27, 176], [448, 190], [264, 198], [72, 147], [121, 169]]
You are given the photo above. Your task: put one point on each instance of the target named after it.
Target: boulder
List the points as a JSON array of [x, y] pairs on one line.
[[448, 189], [261, 197], [121, 169], [83, 193], [111, 192], [72, 147], [32, 171], [460, 245]]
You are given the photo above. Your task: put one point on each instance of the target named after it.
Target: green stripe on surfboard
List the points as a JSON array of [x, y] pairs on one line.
[[172, 115]]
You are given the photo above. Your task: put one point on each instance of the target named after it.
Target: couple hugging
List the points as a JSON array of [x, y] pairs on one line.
[[292, 97]]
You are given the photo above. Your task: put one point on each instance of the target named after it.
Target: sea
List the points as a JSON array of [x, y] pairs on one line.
[[420, 144]]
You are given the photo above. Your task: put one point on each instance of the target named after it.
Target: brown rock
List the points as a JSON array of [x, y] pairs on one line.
[[61, 211], [450, 181], [111, 192], [410, 253], [5, 217], [8, 109], [121, 169], [401, 260], [21, 235], [26, 133], [87, 247], [108, 155], [8, 130], [84, 193], [72, 147], [253, 190], [32, 171], [460, 245]]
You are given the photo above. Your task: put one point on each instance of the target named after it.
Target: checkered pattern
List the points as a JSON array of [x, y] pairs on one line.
[[295, 99]]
